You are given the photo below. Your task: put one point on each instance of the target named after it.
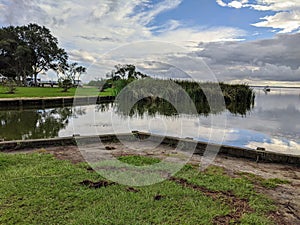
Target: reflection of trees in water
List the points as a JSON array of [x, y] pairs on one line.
[[169, 98], [160, 106], [147, 106], [34, 124], [104, 107], [173, 97]]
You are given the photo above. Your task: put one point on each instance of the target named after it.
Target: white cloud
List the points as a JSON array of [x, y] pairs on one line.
[[275, 5], [81, 55], [269, 59], [191, 37], [285, 21], [168, 26], [147, 17], [221, 3], [88, 30], [286, 17], [234, 4], [120, 19]]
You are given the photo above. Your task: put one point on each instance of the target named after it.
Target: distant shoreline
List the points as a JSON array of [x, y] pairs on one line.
[[256, 86]]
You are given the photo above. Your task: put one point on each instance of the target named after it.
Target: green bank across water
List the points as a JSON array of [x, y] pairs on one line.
[[45, 92]]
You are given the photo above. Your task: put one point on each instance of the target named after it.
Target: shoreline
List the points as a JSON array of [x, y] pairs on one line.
[[200, 147], [53, 101]]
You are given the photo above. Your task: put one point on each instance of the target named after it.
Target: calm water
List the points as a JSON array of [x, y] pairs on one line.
[[273, 123]]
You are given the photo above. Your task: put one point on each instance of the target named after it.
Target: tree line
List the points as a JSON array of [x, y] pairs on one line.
[[26, 51]]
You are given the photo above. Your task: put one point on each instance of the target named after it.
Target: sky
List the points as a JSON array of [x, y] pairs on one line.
[[250, 41]]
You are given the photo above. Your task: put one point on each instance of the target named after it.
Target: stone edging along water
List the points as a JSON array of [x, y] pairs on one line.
[[256, 155], [53, 101]]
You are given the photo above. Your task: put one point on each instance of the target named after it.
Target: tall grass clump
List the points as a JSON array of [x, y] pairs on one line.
[[170, 97]]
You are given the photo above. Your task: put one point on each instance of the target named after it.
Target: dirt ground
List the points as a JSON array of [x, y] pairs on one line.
[[286, 196]]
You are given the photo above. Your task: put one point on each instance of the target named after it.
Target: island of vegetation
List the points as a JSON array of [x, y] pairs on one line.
[[159, 94]]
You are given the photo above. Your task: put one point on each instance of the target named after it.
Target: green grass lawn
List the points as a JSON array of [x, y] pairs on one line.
[[23, 92], [108, 92], [39, 189]]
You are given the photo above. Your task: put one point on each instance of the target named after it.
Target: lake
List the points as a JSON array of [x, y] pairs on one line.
[[273, 123]]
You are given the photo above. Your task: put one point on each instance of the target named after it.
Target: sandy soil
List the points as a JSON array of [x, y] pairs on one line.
[[286, 196]]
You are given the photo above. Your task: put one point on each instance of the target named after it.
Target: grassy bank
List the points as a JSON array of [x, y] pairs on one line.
[[39, 189], [44, 92]]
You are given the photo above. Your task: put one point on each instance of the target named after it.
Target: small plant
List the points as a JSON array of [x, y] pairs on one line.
[[10, 86], [67, 78], [65, 84]]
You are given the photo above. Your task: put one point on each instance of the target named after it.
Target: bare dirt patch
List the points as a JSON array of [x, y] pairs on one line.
[[285, 196], [240, 206], [98, 184]]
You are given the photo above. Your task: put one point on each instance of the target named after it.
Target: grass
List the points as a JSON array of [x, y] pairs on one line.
[[39, 189], [138, 160], [266, 183], [108, 92], [44, 92], [215, 179]]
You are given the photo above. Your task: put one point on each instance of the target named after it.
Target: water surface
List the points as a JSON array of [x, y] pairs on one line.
[[273, 123]]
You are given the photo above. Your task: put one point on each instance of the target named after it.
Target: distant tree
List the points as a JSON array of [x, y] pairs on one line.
[[97, 82], [121, 76], [127, 71], [69, 74], [76, 71], [65, 83], [112, 76]]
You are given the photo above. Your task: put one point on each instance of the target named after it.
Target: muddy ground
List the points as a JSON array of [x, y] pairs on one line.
[[286, 196]]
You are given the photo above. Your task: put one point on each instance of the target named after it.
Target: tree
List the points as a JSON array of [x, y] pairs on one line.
[[46, 53], [68, 76], [127, 71], [15, 56], [10, 86], [76, 71], [121, 76], [29, 50], [23, 57]]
